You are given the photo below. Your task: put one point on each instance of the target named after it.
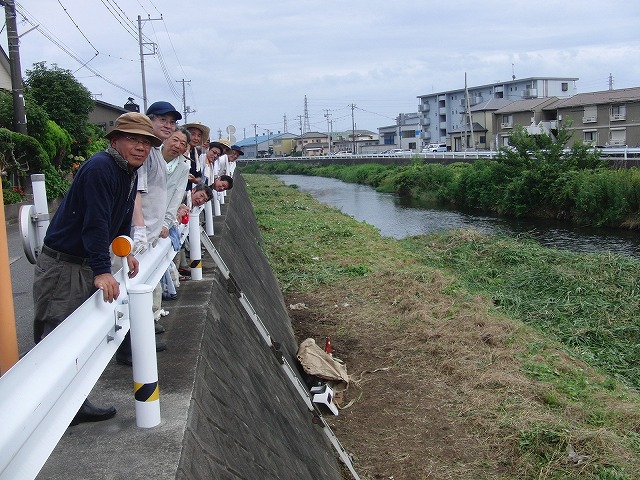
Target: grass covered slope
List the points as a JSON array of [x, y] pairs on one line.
[[455, 346]]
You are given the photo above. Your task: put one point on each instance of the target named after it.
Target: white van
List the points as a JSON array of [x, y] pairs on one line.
[[435, 147]]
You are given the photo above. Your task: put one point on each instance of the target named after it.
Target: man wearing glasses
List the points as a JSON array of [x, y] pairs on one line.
[[98, 207]]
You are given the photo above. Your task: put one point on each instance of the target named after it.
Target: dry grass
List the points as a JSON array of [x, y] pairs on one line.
[[443, 385]]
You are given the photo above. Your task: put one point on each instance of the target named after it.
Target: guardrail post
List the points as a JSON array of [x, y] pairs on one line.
[[143, 354], [216, 204], [195, 252], [208, 218], [41, 206], [220, 197]]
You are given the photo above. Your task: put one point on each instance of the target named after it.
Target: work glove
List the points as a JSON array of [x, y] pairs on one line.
[[140, 243]]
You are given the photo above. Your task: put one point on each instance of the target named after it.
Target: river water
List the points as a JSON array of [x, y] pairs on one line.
[[398, 217]]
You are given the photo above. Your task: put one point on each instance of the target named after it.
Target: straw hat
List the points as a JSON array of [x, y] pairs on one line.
[[203, 128], [136, 123], [222, 144]]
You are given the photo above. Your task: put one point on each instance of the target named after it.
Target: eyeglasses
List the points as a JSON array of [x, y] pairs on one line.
[[139, 141], [166, 121]]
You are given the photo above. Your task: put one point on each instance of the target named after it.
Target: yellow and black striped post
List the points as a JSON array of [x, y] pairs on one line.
[[143, 353], [195, 254]]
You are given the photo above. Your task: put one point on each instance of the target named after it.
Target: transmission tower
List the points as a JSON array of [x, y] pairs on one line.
[[307, 127]]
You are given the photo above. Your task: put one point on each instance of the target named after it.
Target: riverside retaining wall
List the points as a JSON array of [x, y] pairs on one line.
[[245, 418]]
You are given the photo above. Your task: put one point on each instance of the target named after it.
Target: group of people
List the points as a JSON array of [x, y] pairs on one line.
[[151, 175]]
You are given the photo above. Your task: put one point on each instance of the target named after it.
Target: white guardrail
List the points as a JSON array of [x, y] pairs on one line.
[[42, 392], [621, 153]]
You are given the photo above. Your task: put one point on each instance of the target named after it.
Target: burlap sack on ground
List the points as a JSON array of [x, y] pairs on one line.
[[317, 362]]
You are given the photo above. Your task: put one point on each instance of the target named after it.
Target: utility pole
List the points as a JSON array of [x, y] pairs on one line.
[[255, 136], [300, 119], [610, 81], [353, 129], [142, 54], [19, 111], [285, 123], [186, 110], [328, 115]]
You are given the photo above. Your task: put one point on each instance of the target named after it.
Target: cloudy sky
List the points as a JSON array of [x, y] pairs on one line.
[[251, 62]]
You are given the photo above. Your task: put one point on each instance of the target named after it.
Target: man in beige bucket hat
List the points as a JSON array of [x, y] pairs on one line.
[[75, 259]]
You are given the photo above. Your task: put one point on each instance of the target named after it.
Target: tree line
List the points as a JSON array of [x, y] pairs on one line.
[[535, 176], [59, 138]]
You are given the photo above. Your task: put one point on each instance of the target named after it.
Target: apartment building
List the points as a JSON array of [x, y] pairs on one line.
[[606, 118], [404, 134], [313, 144], [445, 112], [529, 113]]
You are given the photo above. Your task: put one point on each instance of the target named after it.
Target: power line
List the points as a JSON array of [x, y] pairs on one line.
[[130, 30], [81, 32], [49, 36]]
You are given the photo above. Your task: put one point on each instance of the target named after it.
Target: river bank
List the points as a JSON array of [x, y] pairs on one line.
[[451, 378]]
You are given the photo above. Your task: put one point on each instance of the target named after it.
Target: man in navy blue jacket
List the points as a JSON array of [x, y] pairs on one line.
[[75, 258]]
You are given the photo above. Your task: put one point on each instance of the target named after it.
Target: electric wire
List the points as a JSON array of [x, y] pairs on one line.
[[28, 17]]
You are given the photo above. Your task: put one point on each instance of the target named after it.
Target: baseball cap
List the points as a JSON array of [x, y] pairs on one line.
[[162, 108]]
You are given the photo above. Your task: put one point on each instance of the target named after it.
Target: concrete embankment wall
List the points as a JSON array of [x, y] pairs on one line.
[[245, 418]]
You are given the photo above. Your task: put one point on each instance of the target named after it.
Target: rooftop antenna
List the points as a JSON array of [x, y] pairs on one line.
[[513, 72]]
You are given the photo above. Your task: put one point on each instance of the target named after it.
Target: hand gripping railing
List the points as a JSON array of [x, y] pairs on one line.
[[40, 395]]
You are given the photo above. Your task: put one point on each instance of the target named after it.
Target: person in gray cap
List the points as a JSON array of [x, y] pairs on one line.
[[75, 259], [150, 205]]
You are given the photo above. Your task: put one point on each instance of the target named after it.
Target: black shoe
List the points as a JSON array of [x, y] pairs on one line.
[[159, 328], [90, 413], [126, 359]]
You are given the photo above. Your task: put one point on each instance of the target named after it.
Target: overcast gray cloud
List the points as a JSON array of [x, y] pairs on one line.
[[252, 62]]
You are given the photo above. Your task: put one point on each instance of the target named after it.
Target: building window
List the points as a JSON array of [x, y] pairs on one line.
[[618, 112], [507, 121], [111, 123], [590, 114], [565, 86], [618, 136], [482, 139], [591, 136]]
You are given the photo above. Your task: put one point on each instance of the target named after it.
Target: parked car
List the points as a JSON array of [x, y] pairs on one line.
[[398, 152], [341, 154], [435, 147]]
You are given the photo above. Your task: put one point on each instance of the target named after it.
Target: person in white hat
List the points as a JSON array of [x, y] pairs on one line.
[[199, 133]]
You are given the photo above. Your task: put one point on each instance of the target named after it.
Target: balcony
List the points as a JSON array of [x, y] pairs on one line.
[[614, 117], [442, 110], [506, 125], [590, 119], [425, 135], [530, 93], [423, 107]]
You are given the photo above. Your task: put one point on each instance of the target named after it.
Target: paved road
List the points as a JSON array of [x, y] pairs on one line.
[[22, 284]]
